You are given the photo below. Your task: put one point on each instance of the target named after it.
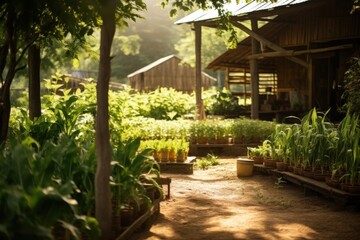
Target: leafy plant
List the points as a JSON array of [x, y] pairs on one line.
[[352, 87], [205, 162], [223, 103], [34, 197], [129, 171]]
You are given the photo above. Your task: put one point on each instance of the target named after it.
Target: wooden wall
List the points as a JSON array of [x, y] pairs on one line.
[[331, 22], [171, 74]]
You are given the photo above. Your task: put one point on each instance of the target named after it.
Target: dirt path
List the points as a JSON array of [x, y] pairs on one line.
[[215, 204]]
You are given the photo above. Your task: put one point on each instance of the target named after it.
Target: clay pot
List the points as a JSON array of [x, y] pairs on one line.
[[281, 166]]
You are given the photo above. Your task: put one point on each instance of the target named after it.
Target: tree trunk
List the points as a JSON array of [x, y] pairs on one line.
[[5, 108], [8, 52], [34, 82], [5, 105], [102, 184], [198, 76]]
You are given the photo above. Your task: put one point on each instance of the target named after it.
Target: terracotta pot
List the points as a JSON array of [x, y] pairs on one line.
[[333, 182], [297, 170], [181, 156], [270, 163], [307, 173], [202, 140], [321, 176], [212, 140], [281, 166], [289, 167], [172, 155], [164, 156], [158, 156], [237, 140], [355, 189], [258, 159], [223, 140]]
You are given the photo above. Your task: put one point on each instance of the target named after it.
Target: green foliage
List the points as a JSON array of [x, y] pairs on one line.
[[203, 164], [352, 87], [164, 103], [223, 103], [212, 46], [129, 170], [38, 188], [208, 161], [317, 145]]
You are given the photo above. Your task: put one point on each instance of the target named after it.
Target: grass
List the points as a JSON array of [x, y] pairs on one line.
[[208, 161]]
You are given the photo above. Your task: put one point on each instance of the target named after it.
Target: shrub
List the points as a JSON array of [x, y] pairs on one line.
[[222, 103], [352, 87]]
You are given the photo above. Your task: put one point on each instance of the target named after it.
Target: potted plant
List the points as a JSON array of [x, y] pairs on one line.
[[164, 150], [254, 153], [202, 132], [182, 150], [172, 150]]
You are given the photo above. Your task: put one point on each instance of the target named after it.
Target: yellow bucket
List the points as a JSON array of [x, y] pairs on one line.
[[244, 167]]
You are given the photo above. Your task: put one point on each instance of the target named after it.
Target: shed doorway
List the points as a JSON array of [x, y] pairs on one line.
[[325, 82]]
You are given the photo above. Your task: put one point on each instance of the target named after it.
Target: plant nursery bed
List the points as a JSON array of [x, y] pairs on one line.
[[339, 196], [186, 167], [220, 149]]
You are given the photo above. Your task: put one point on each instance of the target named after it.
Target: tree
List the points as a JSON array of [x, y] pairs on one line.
[[29, 24], [212, 45]]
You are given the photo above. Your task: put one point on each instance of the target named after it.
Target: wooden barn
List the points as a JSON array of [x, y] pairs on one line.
[[168, 72], [295, 56]]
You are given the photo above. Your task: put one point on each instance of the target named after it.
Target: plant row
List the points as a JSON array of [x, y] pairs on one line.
[[168, 150], [216, 131], [317, 148]]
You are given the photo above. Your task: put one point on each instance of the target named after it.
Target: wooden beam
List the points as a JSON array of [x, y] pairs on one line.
[[295, 53], [254, 71], [268, 43]]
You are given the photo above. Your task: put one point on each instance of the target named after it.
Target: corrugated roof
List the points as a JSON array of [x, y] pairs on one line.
[[238, 57], [151, 65], [242, 8]]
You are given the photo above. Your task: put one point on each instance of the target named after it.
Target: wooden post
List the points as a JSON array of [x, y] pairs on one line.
[[245, 90], [254, 71], [198, 84], [142, 82], [226, 85], [310, 83]]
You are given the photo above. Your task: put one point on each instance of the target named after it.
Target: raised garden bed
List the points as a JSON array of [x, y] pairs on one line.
[[186, 167], [202, 150], [340, 196]]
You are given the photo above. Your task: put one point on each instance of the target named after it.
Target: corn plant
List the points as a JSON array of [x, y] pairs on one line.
[[346, 155], [129, 168]]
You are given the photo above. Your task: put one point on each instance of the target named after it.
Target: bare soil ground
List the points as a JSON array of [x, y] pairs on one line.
[[215, 204]]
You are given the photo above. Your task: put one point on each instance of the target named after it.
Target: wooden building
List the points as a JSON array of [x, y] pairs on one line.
[[168, 72], [297, 58]]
